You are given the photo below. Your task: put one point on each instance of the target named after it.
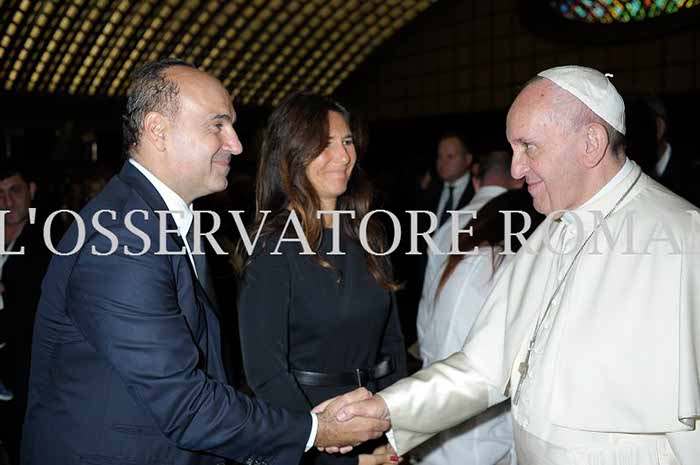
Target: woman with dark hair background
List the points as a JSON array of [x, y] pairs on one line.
[[450, 303], [316, 326]]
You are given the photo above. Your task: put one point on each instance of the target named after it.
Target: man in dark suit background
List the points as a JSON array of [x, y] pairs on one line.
[[126, 362], [650, 142], [451, 191], [20, 286], [453, 165], [676, 167]]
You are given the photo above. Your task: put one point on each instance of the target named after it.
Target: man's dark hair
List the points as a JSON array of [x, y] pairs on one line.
[[150, 90], [657, 106], [14, 168], [457, 135]]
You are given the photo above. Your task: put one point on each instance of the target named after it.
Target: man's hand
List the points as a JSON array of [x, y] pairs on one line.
[[351, 405], [335, 434], [335, 404], [373, 407]]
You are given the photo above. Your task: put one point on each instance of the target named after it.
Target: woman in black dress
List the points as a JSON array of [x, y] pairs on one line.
[[314, 323]]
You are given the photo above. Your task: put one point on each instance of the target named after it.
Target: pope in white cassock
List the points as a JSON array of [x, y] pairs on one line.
[[594, 330]]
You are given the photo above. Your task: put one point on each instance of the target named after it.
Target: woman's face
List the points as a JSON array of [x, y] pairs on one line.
[[330, 171]]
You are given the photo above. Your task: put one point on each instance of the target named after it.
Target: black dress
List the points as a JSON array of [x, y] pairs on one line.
[[293, 314]]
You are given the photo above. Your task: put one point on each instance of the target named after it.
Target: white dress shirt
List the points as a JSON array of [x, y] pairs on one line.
[[460, 185], [183, 216], [180, 211]]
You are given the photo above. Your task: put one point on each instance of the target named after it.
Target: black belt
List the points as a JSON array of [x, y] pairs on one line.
[[358, 377]]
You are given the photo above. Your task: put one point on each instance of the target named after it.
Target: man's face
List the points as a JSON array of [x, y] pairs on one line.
[[544, 153], [201, 138], [16, 196], [453, 160]]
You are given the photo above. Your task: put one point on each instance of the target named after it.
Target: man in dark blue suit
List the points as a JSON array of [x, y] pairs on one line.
[[126, 361]]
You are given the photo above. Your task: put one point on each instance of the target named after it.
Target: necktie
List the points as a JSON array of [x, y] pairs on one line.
[[448, 206]]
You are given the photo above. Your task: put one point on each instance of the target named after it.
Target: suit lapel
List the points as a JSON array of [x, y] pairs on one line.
[[466, 197], [434, 198], [131, 176], [204, 299]]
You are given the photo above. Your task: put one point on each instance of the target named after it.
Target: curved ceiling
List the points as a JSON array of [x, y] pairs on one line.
[[260, 49], [618, 11]]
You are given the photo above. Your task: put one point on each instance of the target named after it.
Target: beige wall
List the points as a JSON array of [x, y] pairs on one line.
[[465, 56]]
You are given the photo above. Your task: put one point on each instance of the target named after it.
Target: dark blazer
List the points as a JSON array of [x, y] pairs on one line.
[[682, 174], [431, 198], [126, 361]]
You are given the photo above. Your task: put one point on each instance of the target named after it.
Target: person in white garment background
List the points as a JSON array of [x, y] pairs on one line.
[[444, 320], [455, 289], [437, 338], [598, 348]]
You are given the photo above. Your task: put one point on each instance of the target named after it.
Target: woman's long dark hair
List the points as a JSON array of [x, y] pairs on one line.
[[296, 133], [488, 228]]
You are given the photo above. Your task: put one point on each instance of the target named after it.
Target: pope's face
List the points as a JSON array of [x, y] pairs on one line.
[[544, 153], [201, 139]]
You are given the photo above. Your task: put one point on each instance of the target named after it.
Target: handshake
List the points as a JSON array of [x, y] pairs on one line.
[[351, 419]]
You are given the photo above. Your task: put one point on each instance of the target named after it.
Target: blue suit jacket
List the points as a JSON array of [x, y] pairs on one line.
[[126, 359]]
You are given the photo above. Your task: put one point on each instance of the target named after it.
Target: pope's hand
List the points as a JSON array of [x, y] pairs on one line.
[[335, 434]]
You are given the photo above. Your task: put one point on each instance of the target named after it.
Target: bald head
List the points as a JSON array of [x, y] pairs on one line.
[[179, 126], [193, 82], [198, 91]]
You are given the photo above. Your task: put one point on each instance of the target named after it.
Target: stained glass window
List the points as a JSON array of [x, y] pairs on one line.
[[618, 11]]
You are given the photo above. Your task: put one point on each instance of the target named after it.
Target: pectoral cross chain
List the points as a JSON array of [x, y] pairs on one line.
[[523, 368]]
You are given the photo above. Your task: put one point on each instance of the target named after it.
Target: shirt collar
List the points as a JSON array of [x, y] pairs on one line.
[[612, 184], [488, 192], [180, 211], [663, 161], [460, 183]]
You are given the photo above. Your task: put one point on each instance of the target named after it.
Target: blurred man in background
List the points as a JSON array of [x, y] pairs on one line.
[[20, 287]]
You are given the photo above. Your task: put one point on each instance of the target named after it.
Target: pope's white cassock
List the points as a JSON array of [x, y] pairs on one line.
[[614, 376], [443, 324]]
